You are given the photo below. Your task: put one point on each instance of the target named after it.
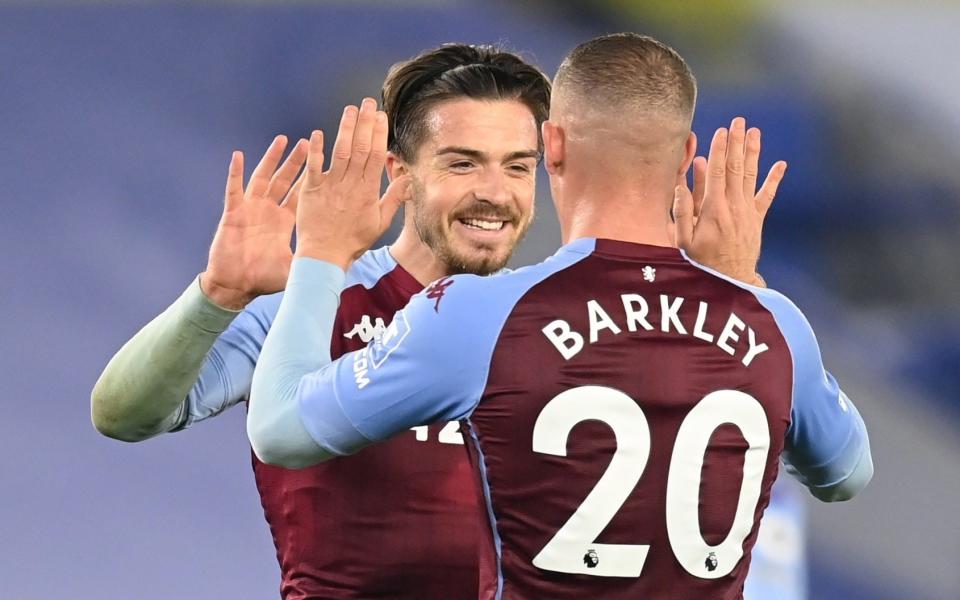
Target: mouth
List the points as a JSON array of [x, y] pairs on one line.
[[484, 231], [482, 224]]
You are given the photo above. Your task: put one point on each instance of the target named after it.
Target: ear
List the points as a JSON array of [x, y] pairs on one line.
[[396, 167], [553, 147], [689, 152]]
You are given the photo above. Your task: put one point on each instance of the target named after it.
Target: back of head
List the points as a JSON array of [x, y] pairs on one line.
[[455, 71], [625, 86]]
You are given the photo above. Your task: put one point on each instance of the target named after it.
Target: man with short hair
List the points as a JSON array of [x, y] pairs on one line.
[[625, 403]]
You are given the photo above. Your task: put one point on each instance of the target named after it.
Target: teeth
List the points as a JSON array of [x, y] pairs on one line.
[[486, 225]]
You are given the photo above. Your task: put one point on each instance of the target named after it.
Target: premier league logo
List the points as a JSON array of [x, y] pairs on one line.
[[591, 559], [711, 562]]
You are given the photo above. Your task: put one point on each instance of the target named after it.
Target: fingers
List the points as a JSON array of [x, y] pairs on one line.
[[699, 183], [715, 204], [260, 179], [343, 146], [315, 155], [683, 216], [233, 194], [397, 193], [293, 196], [735, 158], [751, 163], [373, 172], [287, 173], [769, 189], [717, 161], [362, 138]]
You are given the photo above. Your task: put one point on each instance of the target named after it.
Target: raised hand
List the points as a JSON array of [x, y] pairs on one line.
[[250, 254], [720, 223], [340, 213]]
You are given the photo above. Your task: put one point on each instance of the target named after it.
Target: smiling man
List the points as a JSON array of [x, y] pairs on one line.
[[398, 521]]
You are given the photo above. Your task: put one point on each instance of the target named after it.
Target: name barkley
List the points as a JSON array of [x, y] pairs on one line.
[[730, 338]]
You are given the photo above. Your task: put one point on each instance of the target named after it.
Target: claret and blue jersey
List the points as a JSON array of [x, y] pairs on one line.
[[625, 410], [337, 534]]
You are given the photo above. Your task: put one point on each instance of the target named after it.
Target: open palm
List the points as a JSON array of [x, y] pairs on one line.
[[251, 254]]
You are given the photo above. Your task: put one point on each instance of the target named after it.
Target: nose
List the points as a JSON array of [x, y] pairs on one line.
[[494, 188]]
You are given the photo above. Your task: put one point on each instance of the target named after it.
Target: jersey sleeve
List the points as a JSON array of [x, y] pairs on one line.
[[429, 365], [190, 362], [826, 447], [227, 370]]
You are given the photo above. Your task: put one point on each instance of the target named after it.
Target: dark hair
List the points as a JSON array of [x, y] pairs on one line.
[[632, 69], [453, 71]]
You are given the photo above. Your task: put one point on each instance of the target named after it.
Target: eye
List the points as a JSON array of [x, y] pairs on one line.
[[519, 168], [461, 165]]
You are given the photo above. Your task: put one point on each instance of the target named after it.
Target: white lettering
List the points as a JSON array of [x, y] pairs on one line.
[[560, 335], [698, 331], [360, 369], [668, 314], [754, 348], [599, 319], [729, 334], [636, 316]]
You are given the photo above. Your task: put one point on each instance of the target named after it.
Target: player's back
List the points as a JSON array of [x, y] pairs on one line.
[[630, 426]]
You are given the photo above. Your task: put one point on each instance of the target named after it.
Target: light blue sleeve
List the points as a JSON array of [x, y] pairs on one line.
[[431, 363], [227, 371], [826, 447]]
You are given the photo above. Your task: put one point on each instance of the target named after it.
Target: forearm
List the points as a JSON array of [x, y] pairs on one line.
[[142, 390], [849, 486], [847, 470], [298, 344]]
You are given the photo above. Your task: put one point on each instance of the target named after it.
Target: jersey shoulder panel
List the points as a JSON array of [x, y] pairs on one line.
[[370, 268], [432, 361]]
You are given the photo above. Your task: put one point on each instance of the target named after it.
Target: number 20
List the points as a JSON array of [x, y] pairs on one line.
[[565, 550]]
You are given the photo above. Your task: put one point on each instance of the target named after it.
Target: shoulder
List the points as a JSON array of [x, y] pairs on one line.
[[370, 268], [472, 308], [791, 321]]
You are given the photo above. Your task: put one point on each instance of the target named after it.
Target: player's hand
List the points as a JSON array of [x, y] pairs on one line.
[[720, 223], [251, 254], [340, 213]]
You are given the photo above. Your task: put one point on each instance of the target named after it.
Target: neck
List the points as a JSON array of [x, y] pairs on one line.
[[617, 212], [416, 257]]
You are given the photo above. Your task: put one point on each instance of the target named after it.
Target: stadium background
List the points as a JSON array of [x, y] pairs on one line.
[[117, 120]]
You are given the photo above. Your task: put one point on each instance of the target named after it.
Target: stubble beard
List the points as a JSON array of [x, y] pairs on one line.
[[440, 242]]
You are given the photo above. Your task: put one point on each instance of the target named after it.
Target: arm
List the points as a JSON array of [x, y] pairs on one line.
[[142, 390], [340, 215], [175, 370], [306, 409], [826, 447]]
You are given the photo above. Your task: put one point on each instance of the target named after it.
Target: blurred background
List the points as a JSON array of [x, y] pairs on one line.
[[117, 120]]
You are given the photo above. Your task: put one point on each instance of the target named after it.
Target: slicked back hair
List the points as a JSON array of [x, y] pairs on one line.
[[628, 70], [455, 71]]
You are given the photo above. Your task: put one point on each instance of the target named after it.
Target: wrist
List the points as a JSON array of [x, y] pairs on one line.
[[325, 253], [224, 296]]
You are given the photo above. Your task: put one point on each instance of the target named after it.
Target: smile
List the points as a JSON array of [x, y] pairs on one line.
[[483, 224]]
